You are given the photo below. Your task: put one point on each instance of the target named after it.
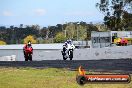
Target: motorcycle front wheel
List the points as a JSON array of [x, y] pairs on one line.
[[30, 57], [64, 58], [71, 55]]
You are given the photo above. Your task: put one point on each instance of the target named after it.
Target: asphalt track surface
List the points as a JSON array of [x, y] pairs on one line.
[[105, 65]]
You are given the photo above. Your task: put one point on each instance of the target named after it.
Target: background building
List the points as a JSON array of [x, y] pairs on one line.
[[106, 39]]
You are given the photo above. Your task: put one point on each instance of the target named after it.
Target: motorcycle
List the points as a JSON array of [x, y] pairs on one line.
[[28, 57], [28, 54], [69, 54]]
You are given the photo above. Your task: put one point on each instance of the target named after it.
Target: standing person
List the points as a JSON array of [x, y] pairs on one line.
[[28, 51]]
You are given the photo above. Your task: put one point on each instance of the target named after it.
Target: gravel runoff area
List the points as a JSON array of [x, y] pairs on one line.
[[105, 65]]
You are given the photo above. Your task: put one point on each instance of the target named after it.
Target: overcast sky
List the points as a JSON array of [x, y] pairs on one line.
[[48, 12]]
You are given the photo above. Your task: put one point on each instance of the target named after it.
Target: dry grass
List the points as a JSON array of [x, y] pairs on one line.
[[46, 78]]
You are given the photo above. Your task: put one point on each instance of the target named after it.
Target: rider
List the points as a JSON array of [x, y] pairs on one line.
[[65, 47], [69, 45], [27, 49]]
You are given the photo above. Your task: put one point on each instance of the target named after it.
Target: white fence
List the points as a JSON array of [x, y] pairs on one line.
[[79, 54], [8, 58]]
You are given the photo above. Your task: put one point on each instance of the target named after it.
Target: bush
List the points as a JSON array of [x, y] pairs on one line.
[[2, 43], [59, 38], [30, 38]]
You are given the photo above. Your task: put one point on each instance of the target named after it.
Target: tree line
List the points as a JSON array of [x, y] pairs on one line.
[[51, 34]]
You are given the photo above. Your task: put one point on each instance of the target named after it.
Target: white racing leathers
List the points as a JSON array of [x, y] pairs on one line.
[[69, 46]]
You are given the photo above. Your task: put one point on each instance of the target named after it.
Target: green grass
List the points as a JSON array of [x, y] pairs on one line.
[[46, 78]]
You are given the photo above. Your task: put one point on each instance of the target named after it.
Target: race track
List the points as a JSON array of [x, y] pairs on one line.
[[106, 65]]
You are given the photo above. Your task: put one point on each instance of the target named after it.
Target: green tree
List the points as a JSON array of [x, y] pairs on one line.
[[113, 11], [59, 38]]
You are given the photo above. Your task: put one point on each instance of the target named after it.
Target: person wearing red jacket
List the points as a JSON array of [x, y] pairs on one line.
[[28, 51]]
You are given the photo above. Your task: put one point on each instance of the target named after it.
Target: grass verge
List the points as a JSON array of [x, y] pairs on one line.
[[46, 78]]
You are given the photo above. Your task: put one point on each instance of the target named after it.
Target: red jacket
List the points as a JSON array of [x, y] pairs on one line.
[[28, 49]]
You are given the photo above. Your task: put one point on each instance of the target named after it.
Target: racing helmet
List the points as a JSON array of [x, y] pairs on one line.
[[69, 41], [29, 43], [66, 43]]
